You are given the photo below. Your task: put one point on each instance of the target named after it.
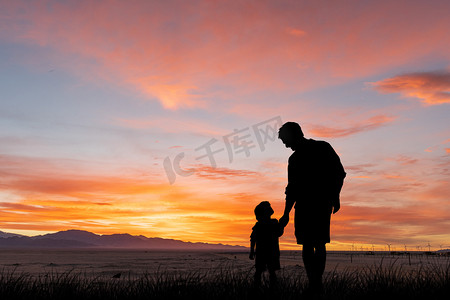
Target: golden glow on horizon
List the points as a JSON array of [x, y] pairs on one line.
[[179, 212]]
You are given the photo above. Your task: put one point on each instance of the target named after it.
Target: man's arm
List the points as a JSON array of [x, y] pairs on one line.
[[291, 190], [284, 220], [336, 202], [338, 174]]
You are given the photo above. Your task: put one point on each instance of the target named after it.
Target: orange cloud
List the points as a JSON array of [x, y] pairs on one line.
[[370, 124], [433, 88], [435, 147], [296, 32], [170, 95], [404, 160], [222, 173]]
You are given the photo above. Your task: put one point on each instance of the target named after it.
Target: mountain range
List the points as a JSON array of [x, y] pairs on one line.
[[85, 239]]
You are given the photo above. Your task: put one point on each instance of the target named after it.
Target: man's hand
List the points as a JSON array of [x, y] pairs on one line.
[[252, 255], [336, 207], [284, 220]]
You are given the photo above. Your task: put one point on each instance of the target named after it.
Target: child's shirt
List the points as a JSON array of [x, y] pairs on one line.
[[265, 234]]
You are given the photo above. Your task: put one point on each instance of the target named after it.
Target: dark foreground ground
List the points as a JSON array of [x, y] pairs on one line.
[[219, 276]]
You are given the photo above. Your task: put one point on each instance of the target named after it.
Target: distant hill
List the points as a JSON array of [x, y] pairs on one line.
[[443, 251], [86, 239], [7, 235]]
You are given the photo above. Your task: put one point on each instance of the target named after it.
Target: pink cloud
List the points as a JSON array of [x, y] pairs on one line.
[[433, 88], [370, 124], [190, 56], [404, 160]]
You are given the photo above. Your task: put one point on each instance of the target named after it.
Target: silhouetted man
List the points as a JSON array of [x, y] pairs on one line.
[[315, 179]]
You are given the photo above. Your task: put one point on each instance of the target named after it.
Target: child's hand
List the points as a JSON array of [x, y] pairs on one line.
[[252, 256]]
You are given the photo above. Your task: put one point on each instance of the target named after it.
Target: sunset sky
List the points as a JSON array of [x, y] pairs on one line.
[[108, 109]]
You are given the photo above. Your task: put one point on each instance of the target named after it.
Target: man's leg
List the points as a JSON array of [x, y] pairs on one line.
[[308, 261], [272, 278], [257, 277], [314, 259], [320, 258]]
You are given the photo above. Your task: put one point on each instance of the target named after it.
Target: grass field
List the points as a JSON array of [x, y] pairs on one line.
[[384, 280]]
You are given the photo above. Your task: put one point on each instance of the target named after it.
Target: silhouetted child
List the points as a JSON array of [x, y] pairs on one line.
[[265, 237]]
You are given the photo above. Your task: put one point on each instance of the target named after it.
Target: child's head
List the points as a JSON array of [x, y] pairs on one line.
[[263, 211]]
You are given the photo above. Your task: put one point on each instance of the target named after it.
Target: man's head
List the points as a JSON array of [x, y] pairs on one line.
[[290, 133], [263, 211]]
